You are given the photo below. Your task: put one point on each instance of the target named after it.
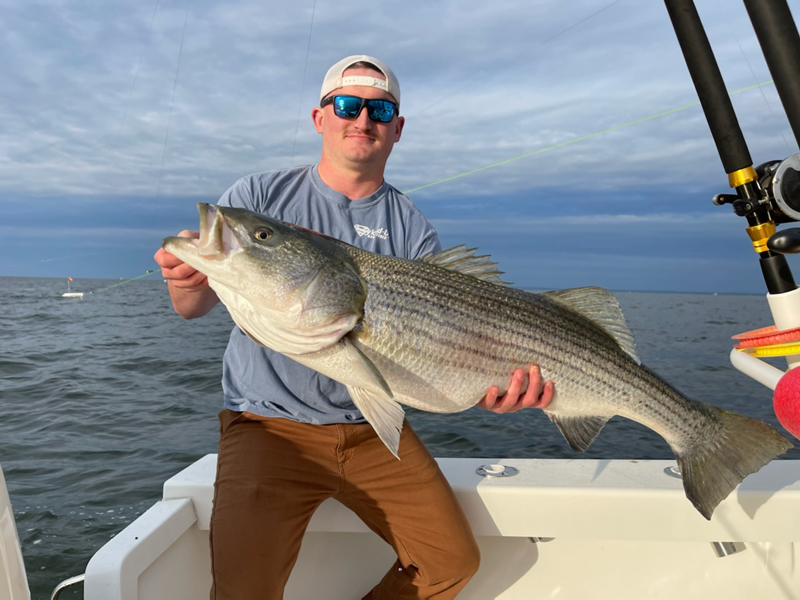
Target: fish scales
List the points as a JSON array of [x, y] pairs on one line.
[[525, 313], [452, 294], [424, 334]]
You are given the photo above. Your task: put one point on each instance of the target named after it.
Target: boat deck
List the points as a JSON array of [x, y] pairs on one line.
[[560, 528]]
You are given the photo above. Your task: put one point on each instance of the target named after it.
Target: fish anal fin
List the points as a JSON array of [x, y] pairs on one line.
[[384, 414], [579, 432], [601, 307], [463, 260]]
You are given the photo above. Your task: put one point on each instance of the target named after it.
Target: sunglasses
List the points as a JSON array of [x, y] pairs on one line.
[[349, 107]]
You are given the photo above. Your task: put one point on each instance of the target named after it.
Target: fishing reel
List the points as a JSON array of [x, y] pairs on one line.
[[780, 180], [778, 193], [779, 183]]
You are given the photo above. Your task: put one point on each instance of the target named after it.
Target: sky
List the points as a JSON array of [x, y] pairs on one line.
[[120, 115]]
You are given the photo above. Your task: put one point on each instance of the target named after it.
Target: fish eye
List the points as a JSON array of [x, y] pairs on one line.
[[263, 234]]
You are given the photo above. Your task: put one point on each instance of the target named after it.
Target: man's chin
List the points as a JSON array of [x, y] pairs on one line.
[[362, 158]]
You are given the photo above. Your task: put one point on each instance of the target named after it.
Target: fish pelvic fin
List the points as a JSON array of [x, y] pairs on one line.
[[713, 466], [601, 307], [579, 432], [463, 260], [384, 414]]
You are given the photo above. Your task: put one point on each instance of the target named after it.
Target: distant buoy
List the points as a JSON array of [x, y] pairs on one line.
[[72, 295], [786, 402]]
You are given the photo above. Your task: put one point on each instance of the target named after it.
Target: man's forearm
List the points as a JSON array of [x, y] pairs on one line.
[[192, 303]]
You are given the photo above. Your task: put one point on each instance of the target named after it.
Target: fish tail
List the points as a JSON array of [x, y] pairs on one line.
[[715, 464]]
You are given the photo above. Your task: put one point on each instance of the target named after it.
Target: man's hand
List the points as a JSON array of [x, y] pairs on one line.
[[537, 395], [177, 272], [188, 288]]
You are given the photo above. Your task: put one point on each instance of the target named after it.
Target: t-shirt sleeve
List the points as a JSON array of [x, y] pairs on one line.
[[239, 195], [422, 238]]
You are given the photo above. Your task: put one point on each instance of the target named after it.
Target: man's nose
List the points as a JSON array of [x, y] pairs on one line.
[[362, 120]]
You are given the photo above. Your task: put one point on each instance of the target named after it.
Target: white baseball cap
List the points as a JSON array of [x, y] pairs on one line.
[[334, 80]]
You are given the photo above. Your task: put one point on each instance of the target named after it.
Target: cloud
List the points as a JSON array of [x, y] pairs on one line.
[[141, 107]]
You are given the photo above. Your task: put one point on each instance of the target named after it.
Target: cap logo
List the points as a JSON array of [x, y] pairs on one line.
[[362, 80]]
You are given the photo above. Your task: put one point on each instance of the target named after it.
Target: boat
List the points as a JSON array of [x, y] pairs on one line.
[[69, 293], [547, 528]]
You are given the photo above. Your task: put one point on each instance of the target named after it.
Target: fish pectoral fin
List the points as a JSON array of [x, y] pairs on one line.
[[384, 414], [376, 402], [579, 432], [364, 366]]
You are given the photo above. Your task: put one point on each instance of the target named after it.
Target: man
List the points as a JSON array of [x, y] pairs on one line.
[[290, 437]]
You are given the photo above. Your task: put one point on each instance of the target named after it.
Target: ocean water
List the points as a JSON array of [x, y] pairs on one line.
[[102, 399]]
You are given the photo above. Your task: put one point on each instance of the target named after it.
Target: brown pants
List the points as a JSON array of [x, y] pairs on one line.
[[272, 474]]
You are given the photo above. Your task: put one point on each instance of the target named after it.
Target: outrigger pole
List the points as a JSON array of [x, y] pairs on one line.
[[755, 197], [765, 195], [777, 34]]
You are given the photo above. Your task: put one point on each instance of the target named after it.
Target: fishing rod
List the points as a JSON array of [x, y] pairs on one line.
[[756, 199], [765, 195]]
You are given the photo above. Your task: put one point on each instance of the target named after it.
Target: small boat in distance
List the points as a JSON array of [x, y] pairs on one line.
[[69, 293]]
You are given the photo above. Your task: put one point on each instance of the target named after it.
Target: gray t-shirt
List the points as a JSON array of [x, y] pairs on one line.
[[261, 381]]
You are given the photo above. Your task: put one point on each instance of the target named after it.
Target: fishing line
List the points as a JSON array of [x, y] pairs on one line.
[[108, 136], [753, 73], [70, 257], [136, 73], [172, 100], [542, 43], [574, 140], [150, 272], [303, 82]]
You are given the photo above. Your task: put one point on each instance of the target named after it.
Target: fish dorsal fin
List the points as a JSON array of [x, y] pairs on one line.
[[463, 260], [601, 307]]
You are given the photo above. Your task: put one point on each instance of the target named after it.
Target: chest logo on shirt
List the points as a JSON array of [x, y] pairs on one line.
[[364, 231]]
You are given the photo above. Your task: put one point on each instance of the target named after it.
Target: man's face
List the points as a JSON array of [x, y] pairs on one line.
[[353, 144]]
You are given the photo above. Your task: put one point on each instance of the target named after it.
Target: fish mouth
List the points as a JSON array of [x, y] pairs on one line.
[[217, 238]]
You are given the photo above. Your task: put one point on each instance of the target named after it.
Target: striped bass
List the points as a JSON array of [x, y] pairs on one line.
[[436, 333]]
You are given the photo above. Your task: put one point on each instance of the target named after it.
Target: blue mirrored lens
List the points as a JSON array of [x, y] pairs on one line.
[[380, 110], [349, 107]]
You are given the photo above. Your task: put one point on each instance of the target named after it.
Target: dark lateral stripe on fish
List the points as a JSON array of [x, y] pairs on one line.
[[449, 299]]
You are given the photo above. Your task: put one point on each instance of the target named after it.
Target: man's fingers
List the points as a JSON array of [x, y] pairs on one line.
[[531, 396], [192, 281], [511, 397], [547, 394], [490, 398], [165, 260], [184, 276], [537, 394]]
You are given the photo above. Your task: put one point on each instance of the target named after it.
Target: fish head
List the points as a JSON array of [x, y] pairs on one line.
[[290, 289]]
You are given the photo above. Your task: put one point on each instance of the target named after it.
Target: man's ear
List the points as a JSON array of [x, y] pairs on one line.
[[317, 115], [398, 130]]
